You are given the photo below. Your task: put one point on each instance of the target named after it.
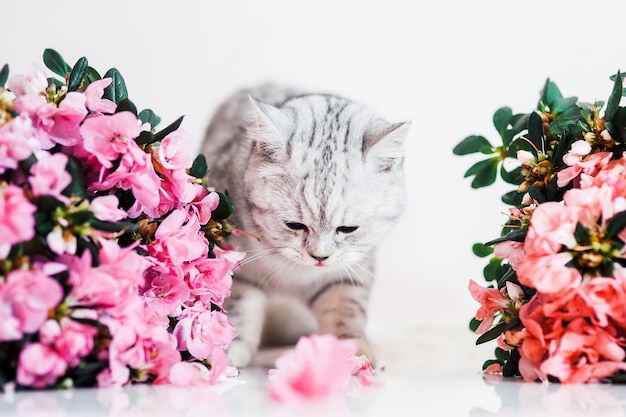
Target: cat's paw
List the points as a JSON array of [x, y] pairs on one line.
[[239, 354]]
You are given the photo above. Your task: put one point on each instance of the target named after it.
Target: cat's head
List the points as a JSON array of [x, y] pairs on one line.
[[324, 181]]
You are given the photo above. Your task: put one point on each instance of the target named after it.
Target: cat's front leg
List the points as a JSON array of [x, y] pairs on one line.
[[341, 309], [246, 310]]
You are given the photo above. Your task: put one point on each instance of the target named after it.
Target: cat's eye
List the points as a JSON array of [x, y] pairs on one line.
[[296, 226], [346, 229]]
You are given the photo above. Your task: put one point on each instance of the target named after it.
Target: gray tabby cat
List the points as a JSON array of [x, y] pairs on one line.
[[319, 179]]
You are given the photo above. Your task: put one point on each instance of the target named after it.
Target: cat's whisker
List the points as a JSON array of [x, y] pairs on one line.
[[260, 254]]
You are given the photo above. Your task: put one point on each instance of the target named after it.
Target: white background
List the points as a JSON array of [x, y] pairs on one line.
[[447, 65]]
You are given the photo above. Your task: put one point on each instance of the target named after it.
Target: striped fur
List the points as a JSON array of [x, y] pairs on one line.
[[319, 179]]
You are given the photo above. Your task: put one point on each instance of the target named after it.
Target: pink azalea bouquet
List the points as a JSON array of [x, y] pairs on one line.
[[113, 266], [556, 294]]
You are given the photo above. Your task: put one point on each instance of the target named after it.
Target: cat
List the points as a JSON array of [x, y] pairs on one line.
[[319, 179]]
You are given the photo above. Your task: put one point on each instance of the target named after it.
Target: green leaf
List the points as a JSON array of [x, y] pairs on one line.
[[55, 62], [116, 91], [199, 167], [562, 104], [536, 194], [474, 323], [473, 144], [614, 98], [81, 217], [159, 136], [490, 362], [4, 75], [512, 198], [550, 93], [484, 172], [535, 130], [126, 105], [494, 270], [224, 209], [91, 75], [516, 235], [481, 250], [501, 121], [502, 354], [581, 234], [77, 186], [616, 225], [77, 74], [493, 333], [112, 226], [512, 177], [148, 116], [144, 138]]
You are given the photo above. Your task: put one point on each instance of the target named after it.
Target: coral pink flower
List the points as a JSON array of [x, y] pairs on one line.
[[511, 251], [584, 353], [613, 176], [552, 226], [39, 366], [17, 223], [582, 169], [93, 95], [30, 295], [492, 301], [549, 274], [48, 175], [318, 367]]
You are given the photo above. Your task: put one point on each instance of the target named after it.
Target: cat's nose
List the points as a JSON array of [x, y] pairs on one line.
[[319, 258]]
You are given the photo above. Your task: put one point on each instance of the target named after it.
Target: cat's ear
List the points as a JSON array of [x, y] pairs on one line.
[[268, 127], [383, 145]]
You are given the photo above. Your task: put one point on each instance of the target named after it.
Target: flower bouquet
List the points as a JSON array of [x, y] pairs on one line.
[[556, 294], [113, 266]]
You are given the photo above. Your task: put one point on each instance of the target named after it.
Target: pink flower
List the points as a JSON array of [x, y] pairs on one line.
[[552, 226], [166, 290], [33, 82], [93, 95], [67, 119], [318, 367], [17, 223], [29, 296], [75, 341], [200, 331], [106, 208], [209, 279], [108, 137], [90, 286], [48, 175], [173, 152], [205, 206], [15, 142], [39, 366], [194, 374], [178, 239]]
